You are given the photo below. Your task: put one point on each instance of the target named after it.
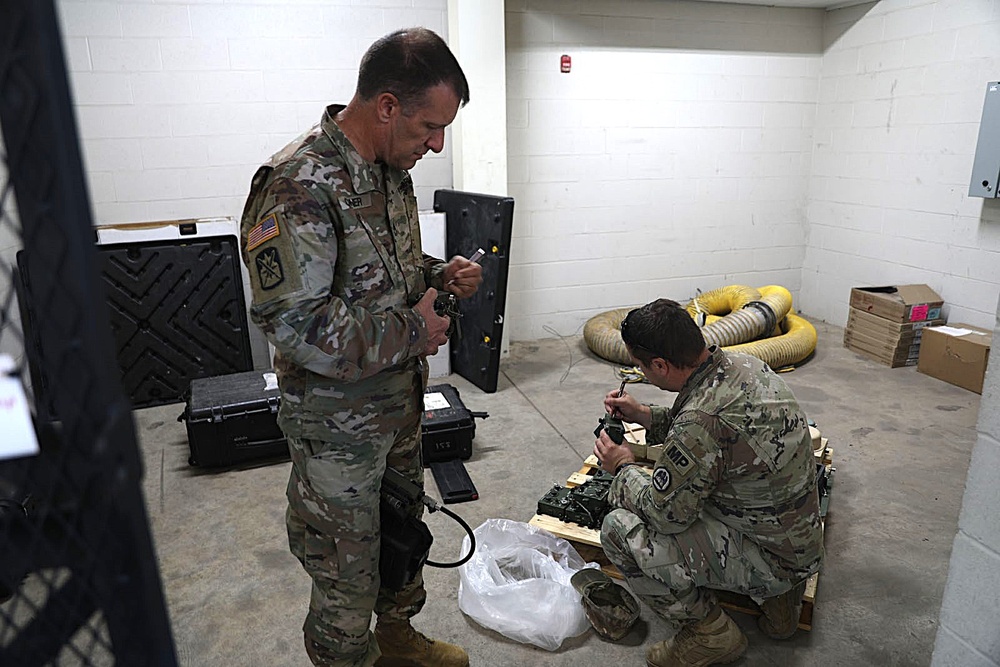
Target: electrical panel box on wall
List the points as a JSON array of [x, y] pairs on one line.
[[986, 166]]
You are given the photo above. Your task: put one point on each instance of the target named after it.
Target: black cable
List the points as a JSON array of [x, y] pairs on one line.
[[459, 519]]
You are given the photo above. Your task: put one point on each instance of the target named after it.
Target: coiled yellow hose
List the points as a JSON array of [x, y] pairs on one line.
[[735, 317]]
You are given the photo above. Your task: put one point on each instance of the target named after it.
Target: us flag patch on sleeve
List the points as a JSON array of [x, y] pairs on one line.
[[265, 230]]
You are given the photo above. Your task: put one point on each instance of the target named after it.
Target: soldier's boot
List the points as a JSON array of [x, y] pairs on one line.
[[714, 640], [781, 613], [402, 646]]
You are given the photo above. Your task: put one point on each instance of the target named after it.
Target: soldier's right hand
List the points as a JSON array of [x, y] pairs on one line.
[[437, 326], [629, 408]]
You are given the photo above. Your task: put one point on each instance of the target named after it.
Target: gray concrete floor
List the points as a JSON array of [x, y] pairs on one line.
[[901, 445]]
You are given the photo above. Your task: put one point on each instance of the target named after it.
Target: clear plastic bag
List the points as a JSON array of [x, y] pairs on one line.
[[518, 584]]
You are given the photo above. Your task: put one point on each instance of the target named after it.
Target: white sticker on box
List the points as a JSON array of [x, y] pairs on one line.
[[15, 417], [435, 400], [270, 381], [953, 331]]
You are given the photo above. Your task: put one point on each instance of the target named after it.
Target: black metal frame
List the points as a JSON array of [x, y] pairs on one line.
[[75, 548]]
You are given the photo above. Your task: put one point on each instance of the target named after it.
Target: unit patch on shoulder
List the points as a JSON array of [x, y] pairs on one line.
[[673, 469], [356, 201], [265, 230], [661, 479], [270, 273]]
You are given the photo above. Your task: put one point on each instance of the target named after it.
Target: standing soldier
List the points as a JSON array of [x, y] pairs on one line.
[[343, 291], [731, 503]]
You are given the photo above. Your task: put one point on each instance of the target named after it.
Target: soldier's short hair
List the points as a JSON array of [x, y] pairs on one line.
[[663, 329], [407, 63]]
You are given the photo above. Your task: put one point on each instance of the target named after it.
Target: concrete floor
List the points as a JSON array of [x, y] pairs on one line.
[[901, 445]]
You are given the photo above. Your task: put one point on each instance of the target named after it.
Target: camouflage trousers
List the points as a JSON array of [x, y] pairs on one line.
[[676, 574], [344, 567]]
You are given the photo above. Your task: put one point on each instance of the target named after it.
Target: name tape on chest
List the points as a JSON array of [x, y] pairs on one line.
[[356, 201]]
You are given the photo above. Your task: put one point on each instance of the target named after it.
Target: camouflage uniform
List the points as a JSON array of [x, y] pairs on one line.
[[731, 503], [332, 244]]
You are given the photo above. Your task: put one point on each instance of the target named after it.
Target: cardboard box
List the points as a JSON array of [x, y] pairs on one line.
[[885, 341], [891, 354], [956, 353], [899, 303], [879, 326]]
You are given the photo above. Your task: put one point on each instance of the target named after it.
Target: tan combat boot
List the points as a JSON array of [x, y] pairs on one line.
[[781, 613], [714, 640], [402, 646]]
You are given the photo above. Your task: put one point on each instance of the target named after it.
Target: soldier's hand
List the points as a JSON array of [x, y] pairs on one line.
[[629, 408], [611, 455], [437, 326], [462, 277]]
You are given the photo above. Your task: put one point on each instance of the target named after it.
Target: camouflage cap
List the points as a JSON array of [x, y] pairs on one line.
[[609, 607]]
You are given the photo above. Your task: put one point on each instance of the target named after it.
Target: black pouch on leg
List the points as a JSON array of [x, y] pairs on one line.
[[405, 545]]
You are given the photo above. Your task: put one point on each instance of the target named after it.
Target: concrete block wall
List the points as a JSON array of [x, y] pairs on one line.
[[901, 91], [178, 103], [673, 157], [969, 630]]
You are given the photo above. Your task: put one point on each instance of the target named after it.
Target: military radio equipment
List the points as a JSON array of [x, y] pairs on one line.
[[612, 423], [613, 426], [586, 505], [406, 540], [446, 305]]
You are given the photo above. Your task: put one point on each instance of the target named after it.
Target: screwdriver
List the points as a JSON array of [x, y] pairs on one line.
[[621, 392]]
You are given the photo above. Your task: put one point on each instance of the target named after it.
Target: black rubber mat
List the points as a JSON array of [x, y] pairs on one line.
[[177, 313]]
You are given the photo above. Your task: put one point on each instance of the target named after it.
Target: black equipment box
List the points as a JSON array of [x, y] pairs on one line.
[[233, 419], [448, 427]]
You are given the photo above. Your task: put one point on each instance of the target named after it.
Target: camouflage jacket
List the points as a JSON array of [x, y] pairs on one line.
[[332, 244], [737, 447]]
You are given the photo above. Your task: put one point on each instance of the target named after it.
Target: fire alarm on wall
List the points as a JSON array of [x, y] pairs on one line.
[[564, 64]]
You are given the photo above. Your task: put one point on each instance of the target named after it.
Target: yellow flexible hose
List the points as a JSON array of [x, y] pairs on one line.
[[730, 317], [603, 336]]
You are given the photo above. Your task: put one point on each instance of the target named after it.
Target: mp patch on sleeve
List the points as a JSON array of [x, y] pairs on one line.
[[673, 469]]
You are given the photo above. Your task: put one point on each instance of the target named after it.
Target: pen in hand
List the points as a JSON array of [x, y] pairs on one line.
[[476, 256]]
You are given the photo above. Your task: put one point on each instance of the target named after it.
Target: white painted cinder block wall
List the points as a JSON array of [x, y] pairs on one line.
[[178, 103], [674, 156], [901, 94], [693, 145], [969, 630]]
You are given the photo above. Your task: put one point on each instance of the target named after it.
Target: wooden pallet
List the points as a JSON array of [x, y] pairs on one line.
[[587, 542]]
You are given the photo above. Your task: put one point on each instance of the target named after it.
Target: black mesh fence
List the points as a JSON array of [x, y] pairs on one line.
[[79, 583]]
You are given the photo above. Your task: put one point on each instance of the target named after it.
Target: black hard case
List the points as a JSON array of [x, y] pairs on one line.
[[177, 313], [447, 432], [232, 419]]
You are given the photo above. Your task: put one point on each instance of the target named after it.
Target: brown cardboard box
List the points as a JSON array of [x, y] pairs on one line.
[[890, 353], [879, 326], [956, 353], [899, 303], [886, 341]]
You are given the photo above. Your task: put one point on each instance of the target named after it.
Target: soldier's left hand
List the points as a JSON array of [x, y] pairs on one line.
[[462, 277], [611, 455]]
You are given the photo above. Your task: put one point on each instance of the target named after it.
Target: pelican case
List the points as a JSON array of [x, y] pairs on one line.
[[232, 419], [448, 427]]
